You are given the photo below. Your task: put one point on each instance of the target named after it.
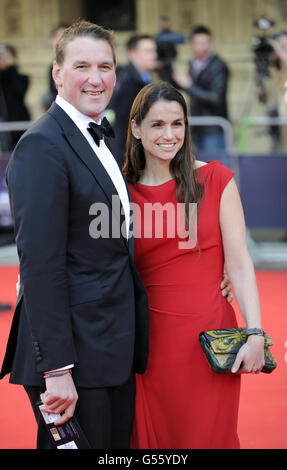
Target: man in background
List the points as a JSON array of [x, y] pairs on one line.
[[13, 88], [142, 55], [50, 95], [206, 84]]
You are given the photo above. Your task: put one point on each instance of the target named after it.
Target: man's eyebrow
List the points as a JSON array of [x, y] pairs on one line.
[[79, 61], [162, 120], [107, 61], [84, 61]]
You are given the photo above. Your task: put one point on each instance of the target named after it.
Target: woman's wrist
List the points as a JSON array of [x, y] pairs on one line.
[[255, 339], [251, 331]]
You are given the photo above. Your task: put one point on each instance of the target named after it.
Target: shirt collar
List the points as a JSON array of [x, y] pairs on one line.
[[203, 63], [81, 120]]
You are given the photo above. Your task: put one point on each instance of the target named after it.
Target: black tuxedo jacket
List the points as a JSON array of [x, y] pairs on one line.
[[81, 299]]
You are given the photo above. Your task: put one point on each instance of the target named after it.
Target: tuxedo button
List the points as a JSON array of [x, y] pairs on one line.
[[37, 351]]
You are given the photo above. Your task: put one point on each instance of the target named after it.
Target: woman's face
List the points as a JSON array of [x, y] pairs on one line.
[[162, 131]]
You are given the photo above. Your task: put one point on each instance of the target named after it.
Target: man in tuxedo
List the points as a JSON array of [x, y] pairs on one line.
[[80, 328]]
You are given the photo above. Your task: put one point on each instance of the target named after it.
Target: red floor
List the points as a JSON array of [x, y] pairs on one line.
[[263, 405]]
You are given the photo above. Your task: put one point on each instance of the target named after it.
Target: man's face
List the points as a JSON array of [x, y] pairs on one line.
[[144, 57], [6, 59], [86, 78], [201, 46]]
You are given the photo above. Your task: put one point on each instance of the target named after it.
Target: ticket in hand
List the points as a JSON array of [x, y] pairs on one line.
[[66, 436]]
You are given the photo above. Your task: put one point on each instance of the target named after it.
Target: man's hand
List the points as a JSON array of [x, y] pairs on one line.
[[226, 288], [60, 397], [250, 357], [182, 78]]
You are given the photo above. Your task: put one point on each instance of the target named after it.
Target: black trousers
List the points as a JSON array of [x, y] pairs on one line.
[[104, 414]]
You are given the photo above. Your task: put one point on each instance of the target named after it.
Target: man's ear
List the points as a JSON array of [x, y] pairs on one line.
[[56, 74]]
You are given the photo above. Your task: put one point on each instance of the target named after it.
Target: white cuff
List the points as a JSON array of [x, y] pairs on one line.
[[61, 368]]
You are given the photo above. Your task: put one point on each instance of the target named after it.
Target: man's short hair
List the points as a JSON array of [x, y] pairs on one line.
[[133, 41], [200, 30], [82, 29]]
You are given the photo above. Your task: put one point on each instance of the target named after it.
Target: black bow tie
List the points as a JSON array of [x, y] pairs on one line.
[[98, 130]]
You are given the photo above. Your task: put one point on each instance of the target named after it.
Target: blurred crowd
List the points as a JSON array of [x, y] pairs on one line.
[[204, 83], [13, 88]]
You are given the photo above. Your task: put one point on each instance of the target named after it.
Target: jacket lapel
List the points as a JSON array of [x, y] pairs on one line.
[[85, 152], [204, 70]]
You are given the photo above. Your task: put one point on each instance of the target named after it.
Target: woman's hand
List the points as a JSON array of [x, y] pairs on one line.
[[250, 357]]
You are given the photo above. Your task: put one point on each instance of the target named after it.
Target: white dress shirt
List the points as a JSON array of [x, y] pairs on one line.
[[101, 152], [104, 155]]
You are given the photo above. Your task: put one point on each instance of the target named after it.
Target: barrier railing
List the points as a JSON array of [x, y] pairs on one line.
[[5, 147], [256, 121], [6, 143], [15, 126], [263, 192], [247, 173], [233, 146], [225, 125]]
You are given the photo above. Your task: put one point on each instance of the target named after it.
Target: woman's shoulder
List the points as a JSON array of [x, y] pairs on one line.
[[215, 173], [215, 166], [199, 164]]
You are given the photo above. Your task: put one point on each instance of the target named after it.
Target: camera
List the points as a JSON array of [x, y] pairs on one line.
[[262, 48], [264, 59]]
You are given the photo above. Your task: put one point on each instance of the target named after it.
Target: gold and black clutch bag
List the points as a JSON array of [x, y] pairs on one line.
[[221, 347]]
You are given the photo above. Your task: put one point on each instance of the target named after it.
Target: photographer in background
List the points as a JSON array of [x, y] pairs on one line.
[[270, 60], [13, 87], [279, 45], [271, 75], [166, 42]]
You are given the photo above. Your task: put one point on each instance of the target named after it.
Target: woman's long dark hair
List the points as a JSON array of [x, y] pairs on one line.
[[188, 189]]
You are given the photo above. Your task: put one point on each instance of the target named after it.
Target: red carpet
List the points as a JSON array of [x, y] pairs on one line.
[[263, 406], [17, 422]]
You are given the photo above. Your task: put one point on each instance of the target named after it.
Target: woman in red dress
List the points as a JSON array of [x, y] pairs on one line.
[[180, 401]]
